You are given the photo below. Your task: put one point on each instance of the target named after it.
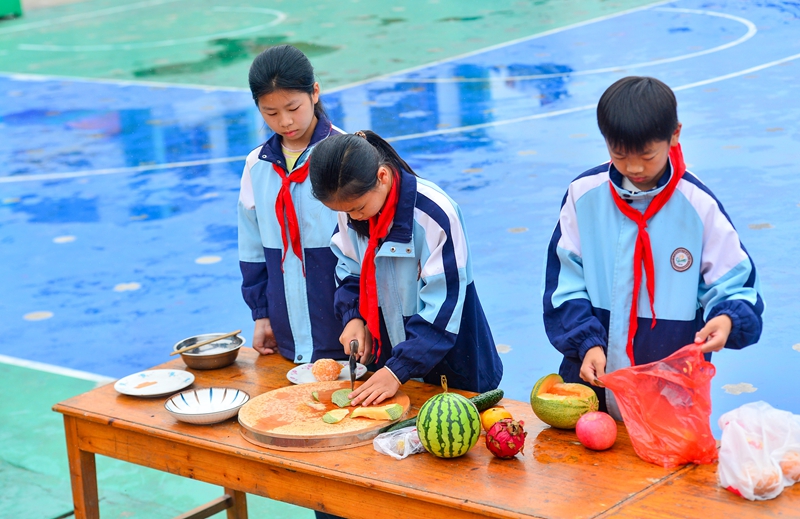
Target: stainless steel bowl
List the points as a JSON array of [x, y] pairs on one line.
[[211, 356]]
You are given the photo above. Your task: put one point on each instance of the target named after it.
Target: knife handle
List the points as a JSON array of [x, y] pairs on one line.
[[354, 347]]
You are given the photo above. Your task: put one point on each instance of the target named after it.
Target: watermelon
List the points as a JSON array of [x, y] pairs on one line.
[[448, 424], [560, 404]]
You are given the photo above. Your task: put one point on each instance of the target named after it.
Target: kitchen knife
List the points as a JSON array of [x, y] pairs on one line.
[[353, 362]]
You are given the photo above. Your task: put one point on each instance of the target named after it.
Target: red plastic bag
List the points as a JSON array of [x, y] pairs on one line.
[[666, 407]]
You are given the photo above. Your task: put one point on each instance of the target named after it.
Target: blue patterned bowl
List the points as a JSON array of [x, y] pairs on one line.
[[206, 406]]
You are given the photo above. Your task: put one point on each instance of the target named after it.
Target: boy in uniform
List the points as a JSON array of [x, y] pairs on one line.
[[644, 259]]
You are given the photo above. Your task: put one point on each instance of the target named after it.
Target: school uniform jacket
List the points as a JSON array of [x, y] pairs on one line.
[[300, 307], [433, 322], [701, 271]]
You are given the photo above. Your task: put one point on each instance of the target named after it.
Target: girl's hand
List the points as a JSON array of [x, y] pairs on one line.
[[357, 330], [379, 387], [594, 365], [714, 334], [263, 338]]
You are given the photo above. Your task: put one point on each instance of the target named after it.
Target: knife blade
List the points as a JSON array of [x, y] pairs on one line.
[[353, 362]]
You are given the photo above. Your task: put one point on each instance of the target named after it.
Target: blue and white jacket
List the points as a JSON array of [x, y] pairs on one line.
[[300, 308], [701, 270], [430, 312]]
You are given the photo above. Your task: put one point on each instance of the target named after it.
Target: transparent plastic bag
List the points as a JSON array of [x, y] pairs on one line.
[[666, 407], [399, 444], [760, 451]]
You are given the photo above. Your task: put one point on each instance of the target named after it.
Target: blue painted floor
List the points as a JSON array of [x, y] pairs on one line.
[[118, 201]]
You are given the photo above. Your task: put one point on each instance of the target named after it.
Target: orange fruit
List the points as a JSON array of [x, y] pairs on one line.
[[492, 415], [326, 370], [790, 464]]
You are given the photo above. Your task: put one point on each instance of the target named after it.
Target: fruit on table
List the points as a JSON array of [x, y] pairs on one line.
[[386, 412], [315, 396], [492, 415], [482, 402], [596, 430], [790, 465], [326, 370], [335, 415], [506, 438], [448, 424], [560, 404], [341, 397]]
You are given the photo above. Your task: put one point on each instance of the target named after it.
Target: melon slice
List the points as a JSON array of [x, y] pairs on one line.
[[561, 404], [341, 397], [386, 412], [335, 415], [315, 396]]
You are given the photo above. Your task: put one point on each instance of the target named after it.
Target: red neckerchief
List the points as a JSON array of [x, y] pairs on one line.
[[284, 210], [642, 252], [368, 286]]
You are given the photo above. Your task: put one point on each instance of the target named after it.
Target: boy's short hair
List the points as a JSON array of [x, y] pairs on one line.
[[636, 111]]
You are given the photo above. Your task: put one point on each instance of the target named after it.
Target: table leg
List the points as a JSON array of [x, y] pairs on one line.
[[238, 508], [82, 473]]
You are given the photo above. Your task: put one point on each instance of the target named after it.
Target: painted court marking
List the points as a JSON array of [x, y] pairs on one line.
[[57, 370], [279, 17]]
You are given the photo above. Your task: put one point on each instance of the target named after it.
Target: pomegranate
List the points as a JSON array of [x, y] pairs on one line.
[[506, 438], [596, 430]]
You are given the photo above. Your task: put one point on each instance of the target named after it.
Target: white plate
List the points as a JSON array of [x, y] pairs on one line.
[[154, 382], [206, 406], [302, 374]]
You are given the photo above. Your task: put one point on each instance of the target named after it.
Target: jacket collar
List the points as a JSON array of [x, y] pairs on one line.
[[616, 180], [404, 214], [271, 151]]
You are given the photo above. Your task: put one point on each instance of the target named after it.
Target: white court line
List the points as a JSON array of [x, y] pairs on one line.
[[84, 16], [751, 31], [58, 370], [279, 18], [111, 171], [444, 131]]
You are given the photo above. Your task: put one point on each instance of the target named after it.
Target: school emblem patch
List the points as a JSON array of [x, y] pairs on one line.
[[681, 259]]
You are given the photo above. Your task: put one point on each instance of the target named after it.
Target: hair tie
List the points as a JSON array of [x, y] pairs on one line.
[[361, 134]]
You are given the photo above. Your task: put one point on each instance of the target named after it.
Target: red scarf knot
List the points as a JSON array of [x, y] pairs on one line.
[[284, 210], [642, 252], [379, 226]]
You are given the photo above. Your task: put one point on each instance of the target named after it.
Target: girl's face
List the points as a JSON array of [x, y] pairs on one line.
[[370, 203], [290, 114], [646, 168]]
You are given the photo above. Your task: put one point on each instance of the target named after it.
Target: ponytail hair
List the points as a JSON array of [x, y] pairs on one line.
[[345, 167], [282, 67]]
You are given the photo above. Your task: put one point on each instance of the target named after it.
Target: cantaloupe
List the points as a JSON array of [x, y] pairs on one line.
[[341, 397], [560, 404], [335, 415], [386, 412]]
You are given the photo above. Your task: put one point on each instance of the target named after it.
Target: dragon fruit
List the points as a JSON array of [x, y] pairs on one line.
[[506, 438]]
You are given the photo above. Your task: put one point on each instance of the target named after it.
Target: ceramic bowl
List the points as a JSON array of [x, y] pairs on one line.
[[211, 356], [206, 406]]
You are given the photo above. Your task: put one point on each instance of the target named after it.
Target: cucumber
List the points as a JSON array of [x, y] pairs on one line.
[[482, 401]]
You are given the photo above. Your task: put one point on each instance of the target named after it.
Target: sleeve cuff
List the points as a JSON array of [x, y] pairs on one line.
[[392, 374], [260, 313], [351, 314], [590, 343], [396, 368]]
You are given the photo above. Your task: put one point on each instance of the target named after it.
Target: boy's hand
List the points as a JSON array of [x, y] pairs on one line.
[[379, 387], [263, 338], [594, 365], [357, 330], [714, 334]]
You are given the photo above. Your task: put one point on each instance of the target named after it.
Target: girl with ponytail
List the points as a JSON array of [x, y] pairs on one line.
[[405, 288]]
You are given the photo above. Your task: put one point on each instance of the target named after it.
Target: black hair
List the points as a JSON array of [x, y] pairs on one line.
[[282, 67], [635, 111], [345, 166]]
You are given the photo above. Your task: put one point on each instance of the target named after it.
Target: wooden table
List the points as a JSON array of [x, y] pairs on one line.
[[556, 478]]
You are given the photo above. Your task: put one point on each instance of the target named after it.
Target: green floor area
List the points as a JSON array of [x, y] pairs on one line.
[[34, 475], [208, 42]]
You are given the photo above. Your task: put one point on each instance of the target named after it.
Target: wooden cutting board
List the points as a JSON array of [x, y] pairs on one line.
[[289, 419]]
